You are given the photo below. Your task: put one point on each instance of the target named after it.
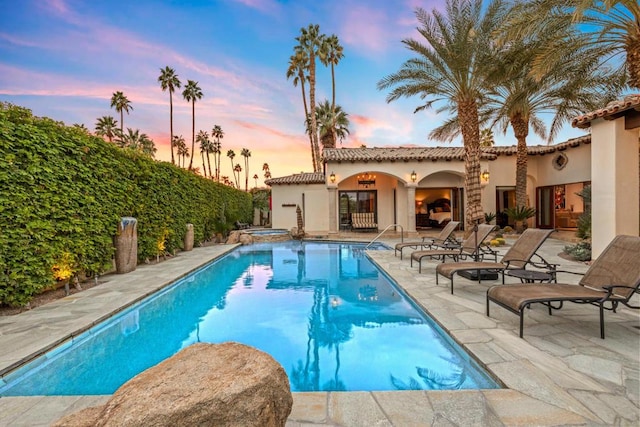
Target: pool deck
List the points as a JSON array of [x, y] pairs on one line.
[[561, 373]]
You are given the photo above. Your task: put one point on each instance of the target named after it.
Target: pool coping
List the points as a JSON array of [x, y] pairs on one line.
[[543, 400]]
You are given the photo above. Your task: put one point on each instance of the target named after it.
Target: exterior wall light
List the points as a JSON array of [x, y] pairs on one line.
[[414, 176], [485, 175], [332, 178]]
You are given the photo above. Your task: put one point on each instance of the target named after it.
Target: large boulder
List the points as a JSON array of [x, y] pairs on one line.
[[227, 384]]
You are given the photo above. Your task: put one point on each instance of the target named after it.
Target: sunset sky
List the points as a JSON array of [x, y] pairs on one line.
[[65, 58]]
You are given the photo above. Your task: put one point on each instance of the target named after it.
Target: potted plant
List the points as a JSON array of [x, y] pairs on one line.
[[519, 215], [488, 217]]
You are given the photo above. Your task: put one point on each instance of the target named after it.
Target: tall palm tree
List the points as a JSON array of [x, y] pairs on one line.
[[333, 124], [168, 80], [121, 104], [203, 140], [609, 28], [451, 66], [298, 65], [107, 126], [134, 140], [192, 93], [237, 169], [333, 55], [246, 154], [231, 154], [218, 134], [310, 42]]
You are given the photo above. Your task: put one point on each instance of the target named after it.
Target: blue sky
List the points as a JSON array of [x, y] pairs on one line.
[[65, 58]]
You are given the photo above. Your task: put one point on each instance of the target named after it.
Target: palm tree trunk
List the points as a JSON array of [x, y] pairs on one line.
[[209, 164], [246, 174], [632, 48], [468, 118], [306, 117], [521, 130], [193, 132], [121, 121], [173, 162], [312, 101], [204, 166]]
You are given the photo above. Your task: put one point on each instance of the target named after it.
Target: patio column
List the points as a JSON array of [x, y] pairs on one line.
[[332, 189], [614, 182], [411, 207]]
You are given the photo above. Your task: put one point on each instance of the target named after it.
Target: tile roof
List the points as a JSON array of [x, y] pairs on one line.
[[396, 154], [612, 109], [298, 178], [339, 155]]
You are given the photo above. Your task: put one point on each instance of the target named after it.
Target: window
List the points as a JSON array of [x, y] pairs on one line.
[[356, 201]]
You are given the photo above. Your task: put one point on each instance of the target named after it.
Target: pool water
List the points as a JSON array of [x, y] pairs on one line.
[[323, 310]]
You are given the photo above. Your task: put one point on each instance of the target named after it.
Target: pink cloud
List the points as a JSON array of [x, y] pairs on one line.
[[266, 6]]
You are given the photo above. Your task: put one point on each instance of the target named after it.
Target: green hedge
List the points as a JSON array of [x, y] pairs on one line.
[[63, 192]]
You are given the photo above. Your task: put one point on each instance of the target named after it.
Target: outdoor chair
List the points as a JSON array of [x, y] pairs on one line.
[[445, 238], [518, 257], [613, 278], [471, 247]]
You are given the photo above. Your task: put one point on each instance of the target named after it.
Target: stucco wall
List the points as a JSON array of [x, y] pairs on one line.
[[285, 198]]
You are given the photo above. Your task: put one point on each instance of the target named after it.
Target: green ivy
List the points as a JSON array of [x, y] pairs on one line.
[[64, 191]]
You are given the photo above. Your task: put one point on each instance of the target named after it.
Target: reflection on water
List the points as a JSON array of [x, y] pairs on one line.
[[322, 310]]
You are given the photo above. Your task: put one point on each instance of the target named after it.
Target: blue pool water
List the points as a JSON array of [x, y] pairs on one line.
[[323, 310]]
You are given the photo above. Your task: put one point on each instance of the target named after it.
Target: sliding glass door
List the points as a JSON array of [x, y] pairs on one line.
[[356, 201]]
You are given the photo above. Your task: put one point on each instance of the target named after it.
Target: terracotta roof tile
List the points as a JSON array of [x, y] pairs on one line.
[[298, 178], [397, 154], [534, 150], [613, 108]]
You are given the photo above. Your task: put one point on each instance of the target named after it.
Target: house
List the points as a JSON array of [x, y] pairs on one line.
[[413, 188]]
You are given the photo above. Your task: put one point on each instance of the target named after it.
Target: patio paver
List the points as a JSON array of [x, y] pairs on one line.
[[561, 373]]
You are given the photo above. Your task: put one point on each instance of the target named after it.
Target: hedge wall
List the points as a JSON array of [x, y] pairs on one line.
[[63, 192]]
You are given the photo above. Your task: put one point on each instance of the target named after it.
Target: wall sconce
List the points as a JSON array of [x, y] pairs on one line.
[[414, 176], [485, 175], [332, 178]]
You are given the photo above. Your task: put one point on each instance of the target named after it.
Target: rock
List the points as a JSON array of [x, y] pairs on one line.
[[246, 239], [227, 384], [234, 237]]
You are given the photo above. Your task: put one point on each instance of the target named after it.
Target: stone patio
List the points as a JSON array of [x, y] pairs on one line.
[[561, 373]]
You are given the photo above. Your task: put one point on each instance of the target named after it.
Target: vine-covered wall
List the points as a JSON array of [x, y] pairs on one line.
[[63, 192]]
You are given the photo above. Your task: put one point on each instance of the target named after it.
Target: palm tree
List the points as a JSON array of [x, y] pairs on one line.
[[168, 80], [333, 124], [609, 28], [107, 126], [120, 102], [181, 149], [231, 154], [486, 138], [267, 172], [518, 99], [332, 56], [192, 93], [218, 134], [310, 42], [452, 67], [134, 140], [237, 169], [298, 64], [203, 140], [246, 154]]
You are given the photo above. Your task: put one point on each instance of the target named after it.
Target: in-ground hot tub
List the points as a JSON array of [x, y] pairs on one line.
[[268, 234]]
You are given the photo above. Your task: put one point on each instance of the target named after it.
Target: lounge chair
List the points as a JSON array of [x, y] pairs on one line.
[[613, 278], [471, 247], [444, 238], [518, 256]]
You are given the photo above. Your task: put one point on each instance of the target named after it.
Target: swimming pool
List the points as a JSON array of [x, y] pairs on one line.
[[321, 309]]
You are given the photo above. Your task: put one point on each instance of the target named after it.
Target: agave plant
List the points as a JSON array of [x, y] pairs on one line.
[[519, 215]]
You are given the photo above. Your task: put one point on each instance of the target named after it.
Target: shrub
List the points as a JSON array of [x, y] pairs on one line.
[[63, 192], [581, 251]]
